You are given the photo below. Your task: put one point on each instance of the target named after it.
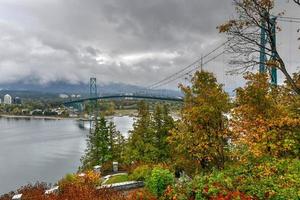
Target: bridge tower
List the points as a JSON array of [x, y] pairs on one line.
[[93, 87], [263, 56], [93, 103]]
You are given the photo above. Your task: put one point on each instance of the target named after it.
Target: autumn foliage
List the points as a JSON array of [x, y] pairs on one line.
[[202, 133], [262, 121]]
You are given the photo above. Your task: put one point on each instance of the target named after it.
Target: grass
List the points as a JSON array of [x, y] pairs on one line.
[[125, 112], [117, 179]]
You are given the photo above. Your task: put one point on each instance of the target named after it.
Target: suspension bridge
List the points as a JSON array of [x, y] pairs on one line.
[[124, 96]]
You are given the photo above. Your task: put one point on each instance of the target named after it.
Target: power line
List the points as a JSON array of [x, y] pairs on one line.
[[188, 66], [189, 72]]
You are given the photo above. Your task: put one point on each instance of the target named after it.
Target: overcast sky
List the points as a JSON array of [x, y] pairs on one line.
[[128, 41]]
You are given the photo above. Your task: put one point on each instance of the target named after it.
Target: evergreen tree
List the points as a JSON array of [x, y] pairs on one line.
[[162, 124], [140, 146], [98, 146], [148, 140], [117, 143]]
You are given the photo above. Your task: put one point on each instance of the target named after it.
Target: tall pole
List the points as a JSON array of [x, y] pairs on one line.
[[201, 64]]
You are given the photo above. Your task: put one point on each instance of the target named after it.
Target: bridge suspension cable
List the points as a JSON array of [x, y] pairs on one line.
[[288, 19], [181, 73], [188, 72], [170, 77]]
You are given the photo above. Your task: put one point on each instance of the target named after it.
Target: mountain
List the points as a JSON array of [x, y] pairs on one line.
[[83, 89]]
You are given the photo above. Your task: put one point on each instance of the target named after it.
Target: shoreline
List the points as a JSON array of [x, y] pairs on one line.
[[32, 117], [55, 118]]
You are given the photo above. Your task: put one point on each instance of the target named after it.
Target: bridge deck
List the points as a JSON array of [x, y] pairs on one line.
[[176, 99]]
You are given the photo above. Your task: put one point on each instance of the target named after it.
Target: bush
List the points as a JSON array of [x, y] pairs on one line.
[[180, 191], [33, 191], [90, 179], [71, 191], [141, 173], [29, 192], [264, 179], [140, 194], [273, 179], [159, 180]]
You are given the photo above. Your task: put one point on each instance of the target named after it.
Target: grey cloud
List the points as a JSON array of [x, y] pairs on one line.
[[131, 41]]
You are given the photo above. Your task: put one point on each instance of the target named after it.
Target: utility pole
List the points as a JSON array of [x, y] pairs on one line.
[[201, 64]]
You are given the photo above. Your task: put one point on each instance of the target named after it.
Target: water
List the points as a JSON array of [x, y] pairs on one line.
[[42, 150], [123, 124]]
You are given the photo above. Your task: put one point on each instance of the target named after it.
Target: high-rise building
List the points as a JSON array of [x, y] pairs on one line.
[[7, 99]]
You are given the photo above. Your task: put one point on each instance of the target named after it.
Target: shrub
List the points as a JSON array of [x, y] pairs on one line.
[[90, 179], [264, 179], [106, 168], [159, 180], [141, 173], [7, 196], [141, 194], [29, 192], [180, 191], [273, 179]]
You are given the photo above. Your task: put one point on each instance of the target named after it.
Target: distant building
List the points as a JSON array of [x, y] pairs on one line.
[[0, 100], [7, 99], [17, 100], [64, 96]]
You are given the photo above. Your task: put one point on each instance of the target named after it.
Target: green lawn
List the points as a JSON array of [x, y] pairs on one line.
[[117, 179]]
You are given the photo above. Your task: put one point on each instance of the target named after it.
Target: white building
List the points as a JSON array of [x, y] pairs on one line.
[[63, 96], [7, 99]]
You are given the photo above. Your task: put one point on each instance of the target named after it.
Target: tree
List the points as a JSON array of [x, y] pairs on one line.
[[148, 139], [98, 146], [140, 146], [162, 124], [202, 133], [244, 34], [264, 121], [117, 143], [297, 2]]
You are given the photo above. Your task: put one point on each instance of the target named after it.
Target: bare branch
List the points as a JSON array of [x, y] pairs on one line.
[[297, 2], [244, 34]]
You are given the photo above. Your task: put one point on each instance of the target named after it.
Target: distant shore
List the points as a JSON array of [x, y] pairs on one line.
[[32, 117]]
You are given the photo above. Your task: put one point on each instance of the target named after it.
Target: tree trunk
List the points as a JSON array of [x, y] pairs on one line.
[[288, 77]]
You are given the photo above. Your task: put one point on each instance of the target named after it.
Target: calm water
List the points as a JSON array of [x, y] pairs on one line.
[[42, 150]]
